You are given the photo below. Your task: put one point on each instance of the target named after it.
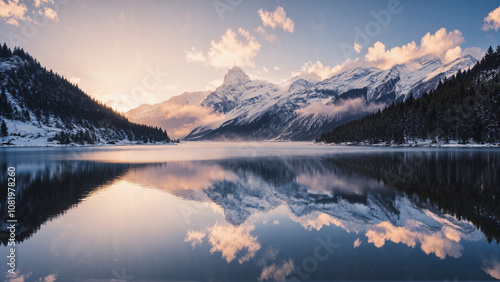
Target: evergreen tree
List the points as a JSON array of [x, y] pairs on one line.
[[3, 129]]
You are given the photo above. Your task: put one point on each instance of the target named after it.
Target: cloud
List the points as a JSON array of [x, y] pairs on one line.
[[442, 243], [267, 36], [357, 243], [277, 273], [233, 240], [12, 21], [12, 11], [194, 237], [443, 44], [229, 240], [276, 68], [229, 51], [316, 71], [492, 21], [195, 56], [276, 19], [51, 14], [357, 47], [39, 3], [358, 105], [493, 268], [475, 52]]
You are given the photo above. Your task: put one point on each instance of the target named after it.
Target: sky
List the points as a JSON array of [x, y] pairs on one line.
[[127, 53]]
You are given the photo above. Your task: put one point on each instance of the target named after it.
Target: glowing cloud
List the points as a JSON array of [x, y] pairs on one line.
[[277, 273], [276, 19], [194, 237], [442, 243], [39, 3], [443, 44], [229, 51], [317, 71], [357, 105], [492, 21], [357, 243], [357, 47], [230, 240], [267, 36], [12, 11]]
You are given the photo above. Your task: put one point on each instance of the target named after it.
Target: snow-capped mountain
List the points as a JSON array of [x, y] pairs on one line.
[[263, 111]]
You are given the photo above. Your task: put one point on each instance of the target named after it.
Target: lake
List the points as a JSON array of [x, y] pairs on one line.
[[252, 211]]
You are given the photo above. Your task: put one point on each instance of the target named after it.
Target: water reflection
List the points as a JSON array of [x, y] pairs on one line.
[[243, 210]]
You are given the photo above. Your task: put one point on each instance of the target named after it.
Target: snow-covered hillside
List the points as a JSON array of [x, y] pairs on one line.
[[40, 108]]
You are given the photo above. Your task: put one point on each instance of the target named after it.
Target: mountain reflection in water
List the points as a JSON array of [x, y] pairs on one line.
[[432, 201]]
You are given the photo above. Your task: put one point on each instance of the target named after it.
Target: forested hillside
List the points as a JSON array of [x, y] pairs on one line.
[[36, 103], [463, 109]]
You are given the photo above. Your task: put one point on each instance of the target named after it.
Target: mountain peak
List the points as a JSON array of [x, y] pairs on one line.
[[236, 75], [299, 84]]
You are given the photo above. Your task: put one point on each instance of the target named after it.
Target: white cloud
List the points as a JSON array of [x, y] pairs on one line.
[[358, 105], [357, 243], [229, 51], [12, 11], [442, 243], [12, 21], [318, 71], [194, 237], [233, 240], [357, 47], [276, 68], [475, 52], [492, 21], [267, 36], [443, 44], [276, 19], [51, 14], [39, 3], [195, 56], [277, 273]]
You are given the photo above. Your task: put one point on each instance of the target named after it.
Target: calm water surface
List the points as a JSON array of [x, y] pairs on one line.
[[253, 211]]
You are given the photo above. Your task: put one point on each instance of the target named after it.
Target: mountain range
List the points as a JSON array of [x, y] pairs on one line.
[[39, 107], [242, 108]]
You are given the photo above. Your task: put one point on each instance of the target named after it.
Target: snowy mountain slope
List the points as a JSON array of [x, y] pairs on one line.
[[41, 108], [259, 110]]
